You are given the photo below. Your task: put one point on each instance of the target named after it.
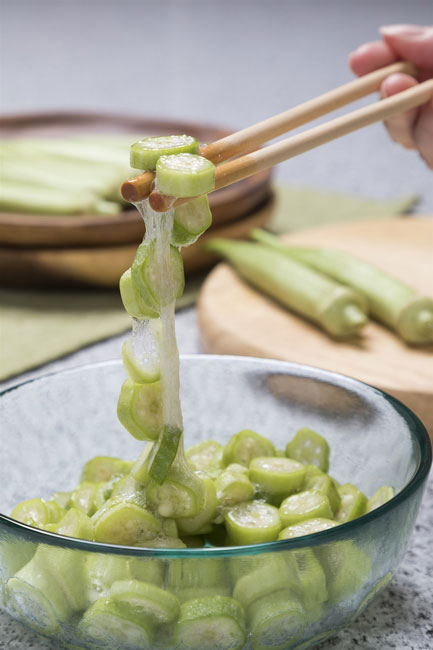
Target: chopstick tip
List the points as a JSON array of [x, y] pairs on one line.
[[129, 192]]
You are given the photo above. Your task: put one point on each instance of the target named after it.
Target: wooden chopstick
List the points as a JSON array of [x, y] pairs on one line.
[[252, 163], [249, 139]]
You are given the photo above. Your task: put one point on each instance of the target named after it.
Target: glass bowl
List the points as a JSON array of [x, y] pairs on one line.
[[286, 594]]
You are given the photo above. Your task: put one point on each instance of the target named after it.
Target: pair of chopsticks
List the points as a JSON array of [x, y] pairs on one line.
[[247, 141]]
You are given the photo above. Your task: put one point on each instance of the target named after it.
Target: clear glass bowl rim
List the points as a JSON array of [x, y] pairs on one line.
[[415, 426]]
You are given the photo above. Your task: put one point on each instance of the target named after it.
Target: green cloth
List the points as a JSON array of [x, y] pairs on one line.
[[299, 207], [40, 326]]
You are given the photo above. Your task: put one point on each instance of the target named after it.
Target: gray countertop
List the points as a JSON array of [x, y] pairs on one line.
[[232, 63]]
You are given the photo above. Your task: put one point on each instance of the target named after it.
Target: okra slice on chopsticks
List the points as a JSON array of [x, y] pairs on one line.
[[185, 174], [337, 309], [146, 152], [390, 301], [190, 220]]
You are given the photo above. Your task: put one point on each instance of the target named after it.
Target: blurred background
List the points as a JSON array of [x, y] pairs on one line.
[[225, 62]]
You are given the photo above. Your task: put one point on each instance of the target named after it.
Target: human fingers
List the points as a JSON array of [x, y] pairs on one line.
[[411, 43], [371, 56], [401, 126]]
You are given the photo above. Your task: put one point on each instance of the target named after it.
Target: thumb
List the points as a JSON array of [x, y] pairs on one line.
[[412, 43]]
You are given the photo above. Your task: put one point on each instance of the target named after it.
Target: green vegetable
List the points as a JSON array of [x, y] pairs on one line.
[[139, 409], [185, 175], [125, 523], [189, 578], [77, 524], [353, 503], [246, 445], [206, 457], [103, 570], [163, 453], [347, 569], [145, 599], [131, 298], [309, 504], [104, 468], [306, 527], [126, 488], [146, 372], [317, 480], [190, 220], [337, 309], [252, 523], [146, 152], [390, 301], [276, 476], [201, 521], [28, 199], [212, 623], [155, 292], [34, 512], [381, 496], [309, 448], [37, 600], [49, 589], [181, 494], [89, 497], [312, 579], [233, 486], [378, 587], [106, 625], [140, 469], [270, 574], [276, 621], [62, 499]]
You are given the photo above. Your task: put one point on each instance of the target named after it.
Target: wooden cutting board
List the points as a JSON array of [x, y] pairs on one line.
[[235, 319]]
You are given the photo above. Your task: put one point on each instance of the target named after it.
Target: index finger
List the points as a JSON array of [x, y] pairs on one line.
[[371, 56]]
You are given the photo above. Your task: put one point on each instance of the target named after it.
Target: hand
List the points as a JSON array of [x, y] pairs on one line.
[[413, 129]]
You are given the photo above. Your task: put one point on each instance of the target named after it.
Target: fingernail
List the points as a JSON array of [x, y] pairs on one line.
[[399, 30], [360, 49]]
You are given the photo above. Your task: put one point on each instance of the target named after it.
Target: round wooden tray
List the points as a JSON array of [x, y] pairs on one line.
[[102, 266], [34, 231]]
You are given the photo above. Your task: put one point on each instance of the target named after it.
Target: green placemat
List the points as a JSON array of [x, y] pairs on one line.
[[40, 326]]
